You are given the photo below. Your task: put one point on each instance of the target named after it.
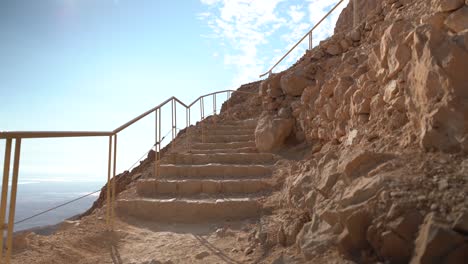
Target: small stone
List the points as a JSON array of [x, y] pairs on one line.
[[333, 49], [443, 184], [434, 207], [421, 198], [355, 35], [249, 250], [220, 232], [202, 255], [461, 223]]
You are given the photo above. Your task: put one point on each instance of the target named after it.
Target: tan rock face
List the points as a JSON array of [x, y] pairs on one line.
[[458, 20], [447, 5], [438, 88], [365, 8], [271, 132], [293, 83], [435, 242], [271, 86]]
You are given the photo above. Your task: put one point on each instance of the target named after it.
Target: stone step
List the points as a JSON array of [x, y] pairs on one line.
[[231, 150], [189, 210], [246, 122], [213, 170], [224, 158], [231, 145], [228, 132], [224, 138], [155, 187], [228, 127]]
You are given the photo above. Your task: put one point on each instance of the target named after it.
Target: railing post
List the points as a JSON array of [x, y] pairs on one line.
[[202, 113], [113, 183], [310, 41], [108, 194], [187, 125], [158, 144], [214, 104], [174, 121], [11, 213], [355, 15], [6, 175]]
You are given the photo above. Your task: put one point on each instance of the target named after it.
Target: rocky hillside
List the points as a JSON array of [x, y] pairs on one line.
[[384, 110], [371, 133]]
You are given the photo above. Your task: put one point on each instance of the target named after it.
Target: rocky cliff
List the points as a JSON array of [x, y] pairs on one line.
[[383, 108]]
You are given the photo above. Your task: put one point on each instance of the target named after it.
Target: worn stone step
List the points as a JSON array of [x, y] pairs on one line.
[[155, 187], [230, 145], [230, 150], [224, 158], [224, 138], [228, 132], [228, 127], [189, 210], [211, 170], [245, 122]]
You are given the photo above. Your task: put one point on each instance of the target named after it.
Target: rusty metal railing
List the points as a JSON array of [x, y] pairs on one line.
[[308, 34], [17, 137]]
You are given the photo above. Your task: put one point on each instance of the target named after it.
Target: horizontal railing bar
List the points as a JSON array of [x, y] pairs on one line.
[[131, 122], [51, 134], [180, 102], [58, 134], [206, 95], [309, 32]]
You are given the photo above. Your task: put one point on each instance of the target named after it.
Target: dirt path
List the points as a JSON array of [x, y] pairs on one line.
[[134, 241]]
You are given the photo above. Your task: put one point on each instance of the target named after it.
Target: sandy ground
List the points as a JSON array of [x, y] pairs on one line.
[[135, 241]]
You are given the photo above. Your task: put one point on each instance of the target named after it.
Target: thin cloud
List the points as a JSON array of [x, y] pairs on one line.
[[252, 32]]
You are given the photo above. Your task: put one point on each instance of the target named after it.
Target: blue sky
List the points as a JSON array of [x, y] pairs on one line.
[[95, 64]]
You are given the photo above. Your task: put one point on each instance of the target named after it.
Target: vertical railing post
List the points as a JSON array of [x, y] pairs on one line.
[[108, 194], [228, 95], [158, 148], [202, 116], [310, 41], [11, 212], [113, 182], [189, 135], [214, 104], [156, 143], [355, 15], [187, 126], [6, 175], [174, 121]]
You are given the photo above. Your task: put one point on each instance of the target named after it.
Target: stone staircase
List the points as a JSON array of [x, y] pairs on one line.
[[223, 178]]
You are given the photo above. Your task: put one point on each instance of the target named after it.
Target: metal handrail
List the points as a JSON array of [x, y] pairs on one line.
[[309, 33], [9, 136], [52, 134]]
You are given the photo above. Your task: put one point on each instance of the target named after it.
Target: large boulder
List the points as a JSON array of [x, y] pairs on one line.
[[294, 82], [364, 8], [447, 5], [271, 86], [458, 20], [435, 242], [438, 88], [314, 238], [271, 132]]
